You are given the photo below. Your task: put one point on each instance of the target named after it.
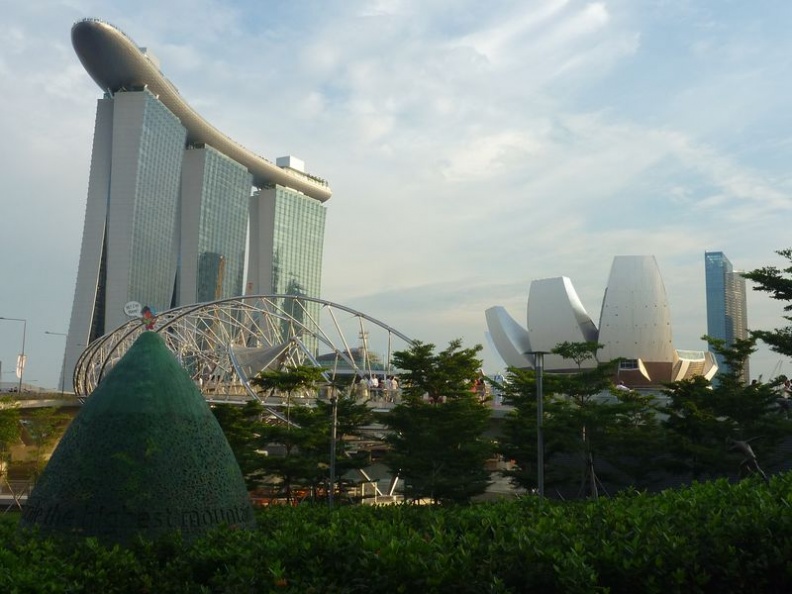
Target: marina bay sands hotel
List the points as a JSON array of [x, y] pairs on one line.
[[177, 212]]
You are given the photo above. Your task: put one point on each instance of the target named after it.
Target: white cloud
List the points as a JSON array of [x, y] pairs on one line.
[[383, 7], [736, 182], [601, 57], [494, 42], [593, 17], [471, 149], [486, 156]]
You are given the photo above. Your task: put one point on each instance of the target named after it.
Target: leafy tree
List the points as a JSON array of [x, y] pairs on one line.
[[778, 283], [437, 433], [296, 436], [351, 417], [292, 461], [704, 420], [587, 428], [288, 381], [10, 429], [292, 455], [44, 426], [303, 461], [518, 438], [446, 375], [634, 437], [577, 417], [241, 426], [579, 352]]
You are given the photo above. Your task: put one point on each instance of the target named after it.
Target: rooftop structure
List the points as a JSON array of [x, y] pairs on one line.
[[116, 63]]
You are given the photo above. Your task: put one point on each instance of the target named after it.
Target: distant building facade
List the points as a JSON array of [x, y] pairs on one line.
[[175, 208], [727, 309], [635, 326]]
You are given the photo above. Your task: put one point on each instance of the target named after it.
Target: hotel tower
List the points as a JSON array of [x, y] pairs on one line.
[[177, 212]]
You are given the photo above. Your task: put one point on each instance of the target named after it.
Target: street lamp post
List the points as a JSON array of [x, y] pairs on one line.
[[333, 434], [62, 378], [21, 360], [538, 369]]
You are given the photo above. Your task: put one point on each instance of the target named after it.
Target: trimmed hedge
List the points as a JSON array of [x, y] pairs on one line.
[[710, 537]]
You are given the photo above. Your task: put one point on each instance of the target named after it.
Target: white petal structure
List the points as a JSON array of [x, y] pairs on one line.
[[635, 322], [635, 325], [556, 315], [510, 339]]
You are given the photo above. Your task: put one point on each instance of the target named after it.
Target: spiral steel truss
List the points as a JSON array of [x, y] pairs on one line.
[[223, 344]]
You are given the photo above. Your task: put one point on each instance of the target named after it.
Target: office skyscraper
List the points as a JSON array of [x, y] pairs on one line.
[[286, 238], [172, 202], [727, 315]]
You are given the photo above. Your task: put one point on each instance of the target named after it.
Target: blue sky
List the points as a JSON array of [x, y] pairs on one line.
[[472, 147]]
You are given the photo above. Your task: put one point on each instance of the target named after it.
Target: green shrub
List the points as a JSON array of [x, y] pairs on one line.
[[710, 537]]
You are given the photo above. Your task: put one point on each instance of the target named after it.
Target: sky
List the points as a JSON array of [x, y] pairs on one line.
[[472, 147]]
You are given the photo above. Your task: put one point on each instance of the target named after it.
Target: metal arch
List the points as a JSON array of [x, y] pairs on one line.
[[213, 339], [324, 302], [95, 358]]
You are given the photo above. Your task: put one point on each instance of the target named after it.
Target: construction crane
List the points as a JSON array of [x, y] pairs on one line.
[[220, 276]]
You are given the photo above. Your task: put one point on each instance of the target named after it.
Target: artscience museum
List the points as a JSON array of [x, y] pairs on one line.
[[634, 326]]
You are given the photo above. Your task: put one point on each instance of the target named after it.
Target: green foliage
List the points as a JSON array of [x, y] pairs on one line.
[[581, 388], [519, 436], [711, 537], [577, 351], [297, 436], [10, 429], [446, 375], [439, 449], [289, 380], [44, 426], [633, 438], [436, 439], [240, 424], [585, 435], [304, 441], [703, 419], [622, 439], [778, 284]]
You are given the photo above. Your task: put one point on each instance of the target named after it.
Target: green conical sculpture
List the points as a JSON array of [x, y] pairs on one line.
[[145, 455]]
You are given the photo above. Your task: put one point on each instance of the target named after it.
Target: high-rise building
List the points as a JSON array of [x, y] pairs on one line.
[[286, 240], [727, 315], [214, 221], [175, 208]]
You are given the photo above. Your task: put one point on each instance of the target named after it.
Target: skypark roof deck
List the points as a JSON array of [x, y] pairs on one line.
[[116, 63]]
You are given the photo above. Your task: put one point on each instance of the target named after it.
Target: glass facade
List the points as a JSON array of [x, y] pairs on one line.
[[716, 267], [736, 306], [727, 317], [222, 227], [154, 223], [298, 240], [168, 224]]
